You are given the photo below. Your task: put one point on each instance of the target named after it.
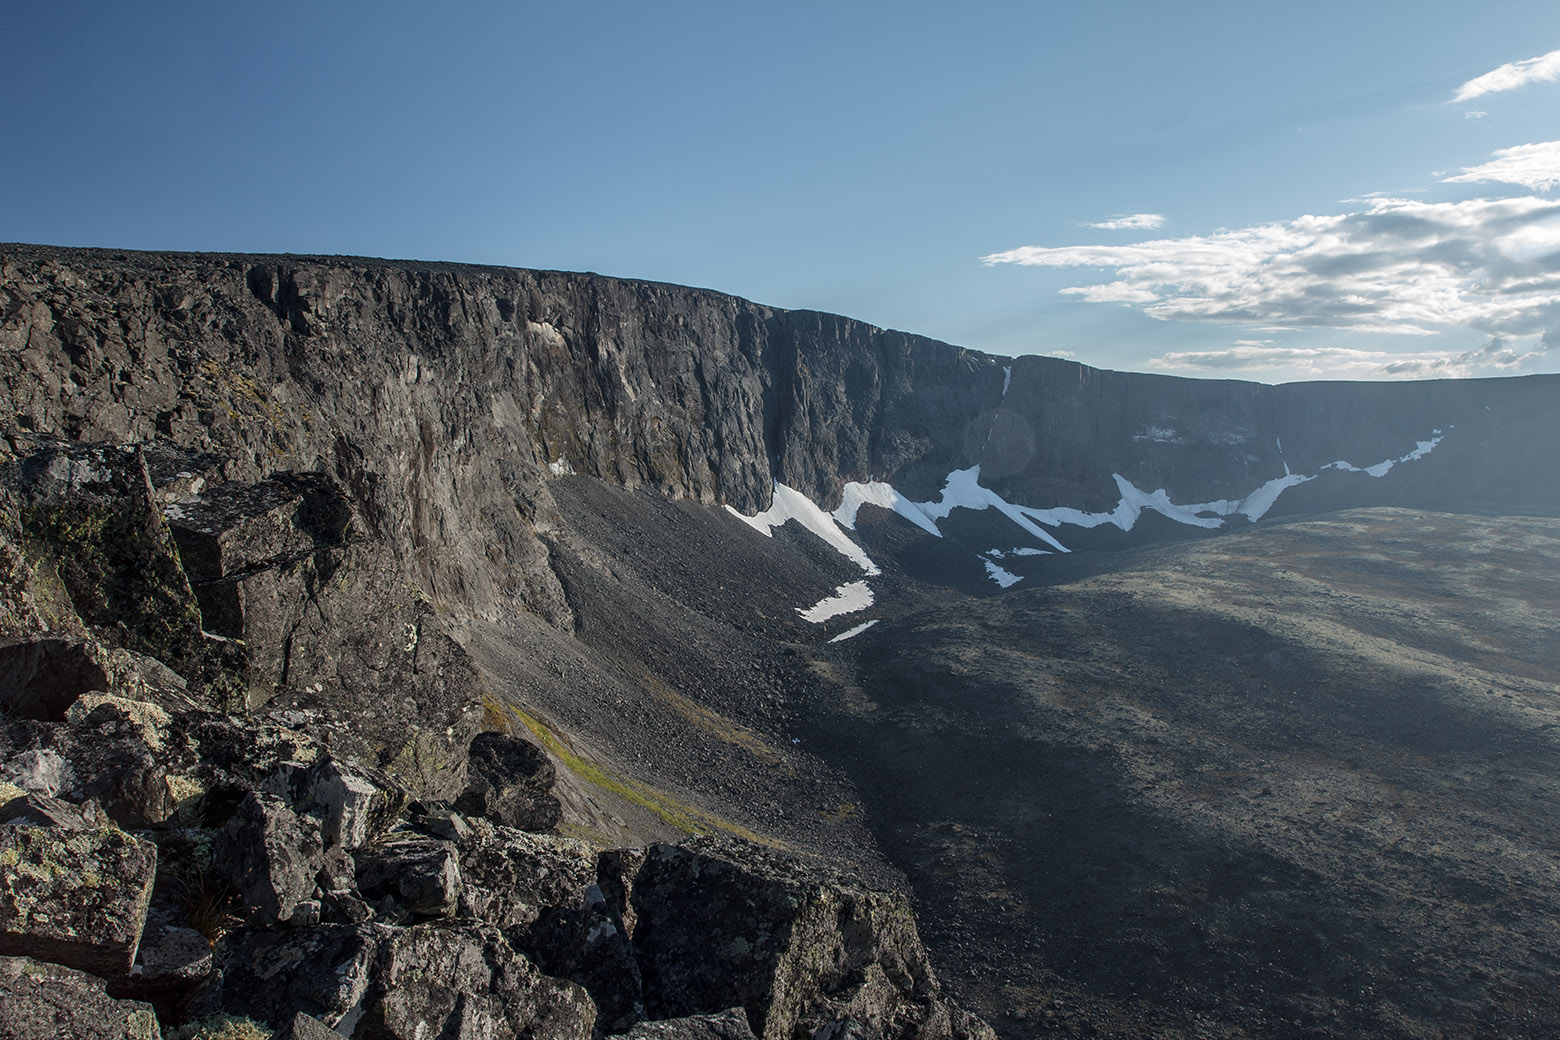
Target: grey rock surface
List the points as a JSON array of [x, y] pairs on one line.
[[511, 783], [78, 898], [725, 923], [270, 855], [731, 1024], [421, 874], [40, 1000]]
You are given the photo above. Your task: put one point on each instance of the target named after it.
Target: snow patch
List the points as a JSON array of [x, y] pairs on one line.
[[790, 504], [852, 633], [1007, 379], [560, 467], [1381, 469], [998, 575], [877, 493], [847, 599]]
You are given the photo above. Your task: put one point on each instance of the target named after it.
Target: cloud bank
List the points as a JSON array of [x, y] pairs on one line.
[[1402, 266], [1534, 166], [1135, 222], [1498, 354], [1543, 69]]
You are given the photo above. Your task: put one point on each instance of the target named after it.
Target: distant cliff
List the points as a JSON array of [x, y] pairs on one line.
[[439, 396]]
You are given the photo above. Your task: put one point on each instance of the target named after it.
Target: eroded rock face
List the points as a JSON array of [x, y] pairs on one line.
[[77, 898]]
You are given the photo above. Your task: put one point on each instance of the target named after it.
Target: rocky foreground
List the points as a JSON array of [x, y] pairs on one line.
[[171, 866]]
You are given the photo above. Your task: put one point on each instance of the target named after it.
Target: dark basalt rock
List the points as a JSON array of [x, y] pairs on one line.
[[270, 855], [422, 875], [511, 783], [40, 679], [47, 1000], [731, 1024], [77, 898], [723, 923]]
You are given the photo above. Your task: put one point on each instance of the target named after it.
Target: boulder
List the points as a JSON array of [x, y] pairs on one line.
[[342, 801], [323, 972], [721, 923], [420, 874], [172, 957], [36, 810], [510, 781], [440, 979], [463, 982], [77, 898], [40, 679], [47, 1000], [731, 1024], [41, 771], [513, 876], [306, 1027], [270, 855], [113, 763]]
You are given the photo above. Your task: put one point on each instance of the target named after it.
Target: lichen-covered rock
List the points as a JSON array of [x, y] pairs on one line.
[[40, 1000], [77, 898], [512, 876], [113, 763], [171, 959], [36, 810], [270, 855], [465, 983], [342, 801], [271, 975], [731, 1024], [306, 1027], [433, 980], [421, 874], [721, 923], [40, 771], [511, 783]]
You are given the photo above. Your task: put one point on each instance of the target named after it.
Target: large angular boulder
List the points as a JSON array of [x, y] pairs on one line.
[[323, 972], [433, 980], [512, 877], [36, 810], [464, 982], [342, 801], [270, 855], [41, 678], [422, 875], [47, 1000], [724, 923], [510, 781], [77, 898]]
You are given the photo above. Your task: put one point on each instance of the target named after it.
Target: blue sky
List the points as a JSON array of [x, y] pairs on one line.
[[1317, 191]]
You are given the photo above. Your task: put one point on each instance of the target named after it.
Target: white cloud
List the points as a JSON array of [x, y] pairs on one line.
[[1475, 113], [1397, 265], [1534, 166], [1135, 222], [1543, 69], [1497, 355]]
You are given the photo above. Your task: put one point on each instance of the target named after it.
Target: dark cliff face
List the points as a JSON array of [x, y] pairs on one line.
[[439, 396]]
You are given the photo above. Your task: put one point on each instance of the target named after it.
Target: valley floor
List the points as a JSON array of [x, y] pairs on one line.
[[1299, 780]]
